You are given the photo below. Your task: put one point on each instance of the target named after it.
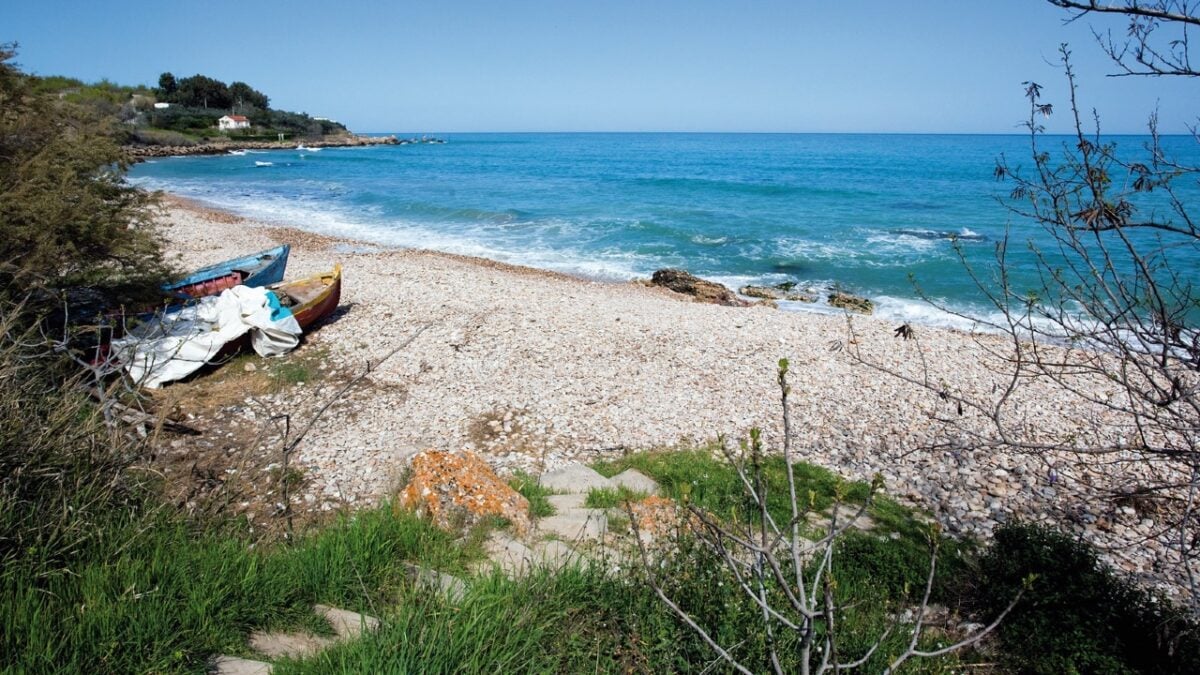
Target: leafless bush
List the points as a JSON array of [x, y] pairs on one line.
[[1110, 319], [790, 578]]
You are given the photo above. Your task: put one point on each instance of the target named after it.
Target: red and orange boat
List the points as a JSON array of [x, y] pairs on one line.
[[313, 298]]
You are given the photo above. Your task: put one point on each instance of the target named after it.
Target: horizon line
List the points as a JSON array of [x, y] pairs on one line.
[[784, 133]]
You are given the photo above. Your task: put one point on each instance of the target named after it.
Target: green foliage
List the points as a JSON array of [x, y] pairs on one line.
[[292, 372], [68, 220], [179, 118], [527, 485], [898, 568], [245, 95], [167, 86], [1079, 617], [153, 594], [702, 478], [201, 91], [197, 102]]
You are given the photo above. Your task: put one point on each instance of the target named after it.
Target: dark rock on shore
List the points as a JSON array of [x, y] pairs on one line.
[[683, 282], [850, 302]]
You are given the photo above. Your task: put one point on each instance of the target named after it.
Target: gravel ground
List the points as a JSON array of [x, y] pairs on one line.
[[533, 369]]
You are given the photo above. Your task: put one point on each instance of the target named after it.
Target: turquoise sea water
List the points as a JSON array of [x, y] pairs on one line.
[[864, 212]]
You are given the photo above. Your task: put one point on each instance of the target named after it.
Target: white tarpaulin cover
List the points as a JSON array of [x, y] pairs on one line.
[[177, 344]]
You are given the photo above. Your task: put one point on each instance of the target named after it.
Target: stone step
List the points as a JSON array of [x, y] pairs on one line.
[[346, 624], [438, 582], [511, 556], [574, 478], [566, 502], [554, 553], [515, 558], [232, 665], [636, 481], [575, 524], [288, 645]]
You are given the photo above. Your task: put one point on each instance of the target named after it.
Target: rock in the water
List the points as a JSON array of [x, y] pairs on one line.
[[850, 302], [765, 292], [457, 490], [776, 293], [689, 284], [574, 478], [636, 481]]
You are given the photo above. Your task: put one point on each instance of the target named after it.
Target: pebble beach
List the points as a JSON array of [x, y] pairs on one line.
[[534, 369]]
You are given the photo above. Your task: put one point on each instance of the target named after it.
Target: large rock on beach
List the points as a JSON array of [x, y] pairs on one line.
[[683, 282], [850, 302], [457, 490]]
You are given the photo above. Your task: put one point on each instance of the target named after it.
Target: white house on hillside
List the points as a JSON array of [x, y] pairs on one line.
[[230, 122]]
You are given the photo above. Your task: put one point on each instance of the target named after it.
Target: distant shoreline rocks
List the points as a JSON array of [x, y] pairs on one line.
[[141, 152], [702, 290]]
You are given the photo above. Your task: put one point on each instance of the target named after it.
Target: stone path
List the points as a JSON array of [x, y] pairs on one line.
[[572, 534]]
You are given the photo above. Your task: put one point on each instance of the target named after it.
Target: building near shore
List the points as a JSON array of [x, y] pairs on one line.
[[230, 122]]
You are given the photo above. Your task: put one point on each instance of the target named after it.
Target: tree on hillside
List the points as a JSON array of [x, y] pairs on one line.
[[200, 91], [1113, 319], [68, 221], [245, 95], [167, 86]]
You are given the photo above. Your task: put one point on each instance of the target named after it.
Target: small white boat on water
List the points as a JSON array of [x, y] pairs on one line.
[[257, 163], [237, 152], [305, 148]]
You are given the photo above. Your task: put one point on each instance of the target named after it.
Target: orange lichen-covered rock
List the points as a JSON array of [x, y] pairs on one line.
[[457, 490], [655, 518]]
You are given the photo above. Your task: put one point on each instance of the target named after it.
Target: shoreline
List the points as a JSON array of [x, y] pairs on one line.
[[534, 368], [936, 319]]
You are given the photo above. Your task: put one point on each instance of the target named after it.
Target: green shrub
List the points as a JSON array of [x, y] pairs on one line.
[[68, 220], [1079, 617]]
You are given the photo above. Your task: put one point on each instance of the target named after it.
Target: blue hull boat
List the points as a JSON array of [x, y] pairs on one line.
[[259, 269]]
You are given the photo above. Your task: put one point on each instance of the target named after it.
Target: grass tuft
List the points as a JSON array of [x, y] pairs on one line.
[[527, 485], [609, 498]]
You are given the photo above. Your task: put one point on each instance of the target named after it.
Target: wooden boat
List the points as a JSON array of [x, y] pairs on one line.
[[313, 298], [310, 300], [258, 269]]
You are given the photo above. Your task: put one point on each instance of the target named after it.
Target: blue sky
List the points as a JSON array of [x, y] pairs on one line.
[[949, 66]]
